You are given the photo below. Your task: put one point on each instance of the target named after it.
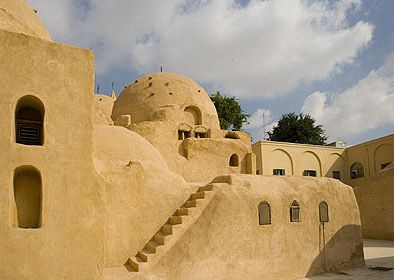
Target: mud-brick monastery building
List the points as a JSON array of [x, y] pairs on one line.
[[147, 186]]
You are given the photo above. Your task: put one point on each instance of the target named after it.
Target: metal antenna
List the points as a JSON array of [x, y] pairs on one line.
[[113, 83], [264, 125]]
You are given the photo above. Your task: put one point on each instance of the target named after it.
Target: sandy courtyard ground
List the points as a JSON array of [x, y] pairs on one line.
[[379, 260]]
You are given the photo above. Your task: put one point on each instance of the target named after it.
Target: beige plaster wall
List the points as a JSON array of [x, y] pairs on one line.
[[227, 242], [69, 244], [18, 16], [165, 96], [140, 191], [103, 105], [374, 191], [295, 158]]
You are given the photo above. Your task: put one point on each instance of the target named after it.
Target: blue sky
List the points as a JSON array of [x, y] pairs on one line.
[[331, 59]]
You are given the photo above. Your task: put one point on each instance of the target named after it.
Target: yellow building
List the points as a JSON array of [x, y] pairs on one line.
[[146, 185], [367, 167]]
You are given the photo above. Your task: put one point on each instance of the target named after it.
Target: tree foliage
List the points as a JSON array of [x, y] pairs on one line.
[[231, 115], [298, 129]]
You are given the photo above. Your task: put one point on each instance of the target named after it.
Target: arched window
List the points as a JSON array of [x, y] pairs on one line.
[[264, 213], [234, 160], [294, 211], [323, 212], [28, 197], [29, 121], [193, 115], [356, 170]]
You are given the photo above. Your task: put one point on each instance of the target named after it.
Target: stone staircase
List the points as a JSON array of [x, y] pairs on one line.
[[172, 230]]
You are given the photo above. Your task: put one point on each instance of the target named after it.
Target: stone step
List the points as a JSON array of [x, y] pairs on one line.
[[198, 195], [182, 212], [175, 220], [160, 238], [206, 188], [143, 255], [151, 246], [166, 229], [134, 263], [191, 203]]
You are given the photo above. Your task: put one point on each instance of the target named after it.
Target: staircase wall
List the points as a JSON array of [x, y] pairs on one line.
[[227, 241]]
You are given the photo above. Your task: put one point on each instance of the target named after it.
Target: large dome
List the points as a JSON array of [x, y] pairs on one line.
[[18, 16], [166, 91]]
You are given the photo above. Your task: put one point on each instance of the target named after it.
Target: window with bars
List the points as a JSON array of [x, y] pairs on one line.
[[279, 172], [310, 173], [29, 121]]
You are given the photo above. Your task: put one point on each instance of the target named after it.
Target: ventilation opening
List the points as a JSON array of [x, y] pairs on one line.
[[28, 197], [182, 135], [294, 212], [356, 170], [29, 120], [323, 212], [264, 213], [278, 172], [234, 160]]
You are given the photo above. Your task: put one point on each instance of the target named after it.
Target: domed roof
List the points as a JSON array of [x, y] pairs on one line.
[[157, 91], [18, 16]]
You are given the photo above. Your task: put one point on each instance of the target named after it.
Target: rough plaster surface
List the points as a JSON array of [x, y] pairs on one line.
[[141, 193], [227, 241], [70, 242], [18, 16]]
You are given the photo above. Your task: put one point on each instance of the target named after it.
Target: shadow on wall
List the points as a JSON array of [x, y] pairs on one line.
[[335, 254]]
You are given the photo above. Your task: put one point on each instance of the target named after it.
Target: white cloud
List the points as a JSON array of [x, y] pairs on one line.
[[367, 105], [263, 49], [261, 121]]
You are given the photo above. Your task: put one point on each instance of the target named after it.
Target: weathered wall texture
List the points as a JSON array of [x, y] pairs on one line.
[[18, 16], [103, 109], [160, 106], [141, 193], [227, 242], [69, 244]]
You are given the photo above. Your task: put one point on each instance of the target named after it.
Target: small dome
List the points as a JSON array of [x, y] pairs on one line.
[[160, 91], [17, 16]]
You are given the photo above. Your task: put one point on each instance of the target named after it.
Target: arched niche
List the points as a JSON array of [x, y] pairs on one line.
[[384, 156], [356, 170], [323, 212], [281, 160], [310, 162], [295, 212], [234, 160], [28, 197], [29, 121], [232, 135], [192, 115], [264, 213], [337, 166]]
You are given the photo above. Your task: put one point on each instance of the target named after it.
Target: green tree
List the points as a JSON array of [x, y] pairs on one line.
[[231, 115], [298, 129]]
